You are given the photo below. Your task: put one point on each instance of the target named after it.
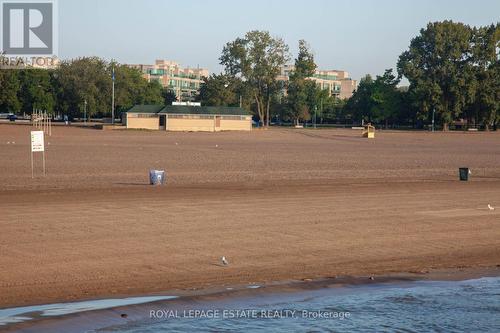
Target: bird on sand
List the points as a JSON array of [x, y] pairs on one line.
[[224, 261], [491, 207]]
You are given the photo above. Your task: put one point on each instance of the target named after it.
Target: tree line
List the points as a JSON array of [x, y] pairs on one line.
[[78, 84], [453, 72]]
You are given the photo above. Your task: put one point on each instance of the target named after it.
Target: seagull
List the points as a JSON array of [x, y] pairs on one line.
[[216, 146], [490, 207], [224, 261]]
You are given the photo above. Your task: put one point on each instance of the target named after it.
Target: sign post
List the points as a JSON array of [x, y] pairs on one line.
[[37, 145]]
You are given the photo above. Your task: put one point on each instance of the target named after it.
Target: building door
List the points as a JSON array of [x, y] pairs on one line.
[[162, 122], [217, 123]]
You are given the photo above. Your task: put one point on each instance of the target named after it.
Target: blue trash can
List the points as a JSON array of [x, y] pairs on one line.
[[157, 177]]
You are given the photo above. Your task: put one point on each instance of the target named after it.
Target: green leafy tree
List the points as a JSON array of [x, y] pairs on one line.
[[169, 96], [36, 90], [437, 65], [361, 104], [302, 93], [486, 67], [131, 88], [386, 98], [84, 79], [10, 88], [220, 90], [256, 59], [90, 79]]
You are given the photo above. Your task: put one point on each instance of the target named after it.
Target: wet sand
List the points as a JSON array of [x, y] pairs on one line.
[[279, 204]]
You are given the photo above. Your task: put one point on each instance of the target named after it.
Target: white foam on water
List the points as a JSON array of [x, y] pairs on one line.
[[20, 314]]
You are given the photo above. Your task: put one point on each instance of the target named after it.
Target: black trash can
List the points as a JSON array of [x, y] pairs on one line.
[[464, 174]]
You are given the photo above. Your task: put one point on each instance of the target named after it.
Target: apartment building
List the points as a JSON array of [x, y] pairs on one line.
[[337, 82], [183, 81]]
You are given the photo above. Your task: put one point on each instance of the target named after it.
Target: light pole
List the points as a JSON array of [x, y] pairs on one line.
[[433, 115], [113, 94], [315, 110], [85, 111]]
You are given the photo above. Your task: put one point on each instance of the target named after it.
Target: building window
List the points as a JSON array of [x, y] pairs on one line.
[[231, 117]]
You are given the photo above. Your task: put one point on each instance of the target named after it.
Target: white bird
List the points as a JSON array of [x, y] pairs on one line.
[[224, 261], [8, 142], [176, 144], [13, 142], [491, 207], [216, 146]]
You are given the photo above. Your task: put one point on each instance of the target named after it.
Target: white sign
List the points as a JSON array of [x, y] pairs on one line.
[[37, 143]]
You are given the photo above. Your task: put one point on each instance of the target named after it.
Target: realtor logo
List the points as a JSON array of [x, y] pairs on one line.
[[28, 28]]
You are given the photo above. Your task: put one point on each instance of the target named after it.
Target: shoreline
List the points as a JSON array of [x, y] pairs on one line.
[[183, 299]]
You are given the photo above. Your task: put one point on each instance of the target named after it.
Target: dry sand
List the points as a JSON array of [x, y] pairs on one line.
[[279, 204]]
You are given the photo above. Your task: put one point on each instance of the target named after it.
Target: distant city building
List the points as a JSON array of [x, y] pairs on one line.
[[184, 82], [338, 83]]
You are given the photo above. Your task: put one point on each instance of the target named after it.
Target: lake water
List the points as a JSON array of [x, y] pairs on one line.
[[424, 306], [421, 306]]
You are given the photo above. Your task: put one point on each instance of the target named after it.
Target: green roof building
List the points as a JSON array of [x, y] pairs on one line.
[[188, 118]]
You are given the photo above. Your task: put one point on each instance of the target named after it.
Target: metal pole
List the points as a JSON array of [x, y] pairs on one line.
[[240, 100], [315, 108], [433, 114], [113, 97], [85, 111]]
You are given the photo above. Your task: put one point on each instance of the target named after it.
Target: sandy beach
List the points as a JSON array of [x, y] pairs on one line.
[[279, 204]]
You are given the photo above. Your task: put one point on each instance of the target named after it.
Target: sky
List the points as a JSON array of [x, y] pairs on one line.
[[359, 36]]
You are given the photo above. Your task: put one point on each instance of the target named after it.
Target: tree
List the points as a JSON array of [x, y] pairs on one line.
[[437, 65], [36, 90], [169, 97], [220, 90], [486, 67], [84, 79], [256, 59], [386, 98], [360, 105], [302, 93], [89, 80], [153, 93], [9, 81]]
